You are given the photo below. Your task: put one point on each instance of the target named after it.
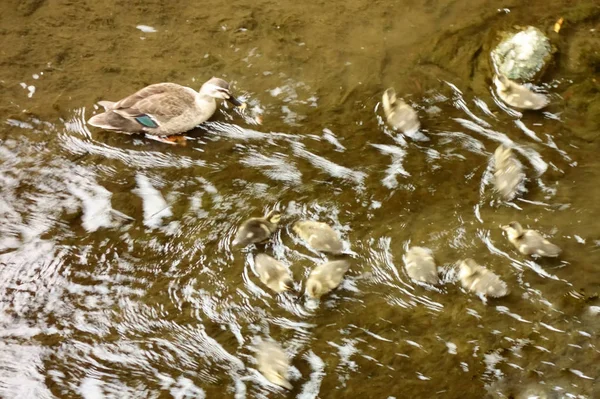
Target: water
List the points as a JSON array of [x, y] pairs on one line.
[[118, 278]]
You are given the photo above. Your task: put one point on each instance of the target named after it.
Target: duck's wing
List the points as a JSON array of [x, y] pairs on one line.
[[155, 104]]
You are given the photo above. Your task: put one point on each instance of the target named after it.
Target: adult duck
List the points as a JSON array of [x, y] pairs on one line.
[[164, 109]]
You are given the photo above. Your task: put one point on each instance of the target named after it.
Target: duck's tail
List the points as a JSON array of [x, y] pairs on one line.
[[108, 105], [112, 121]]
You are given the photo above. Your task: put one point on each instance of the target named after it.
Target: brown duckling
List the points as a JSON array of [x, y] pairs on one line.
[[399, 114], [273, 273], [257, 230], [319, 236], [530, 242], [274, 363], [480, 280], [325, 278], [517, 95], [420, 265], [508, 173]]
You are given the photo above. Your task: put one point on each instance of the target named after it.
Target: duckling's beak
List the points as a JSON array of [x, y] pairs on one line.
[[235, 101]]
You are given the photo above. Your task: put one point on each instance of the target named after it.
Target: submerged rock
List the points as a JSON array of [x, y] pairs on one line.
[[524, 55]]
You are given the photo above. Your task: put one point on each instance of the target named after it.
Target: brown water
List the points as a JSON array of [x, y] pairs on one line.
[[95, 305]]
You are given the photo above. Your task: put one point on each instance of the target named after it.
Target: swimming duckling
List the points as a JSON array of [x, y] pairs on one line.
[[399, 114], [420, 265], [517, 95], [319, 236], [480, 280], [164, 109], [530, 242], [273, 363], [273, 273], [325, 278], [257, 230], [508, 174]]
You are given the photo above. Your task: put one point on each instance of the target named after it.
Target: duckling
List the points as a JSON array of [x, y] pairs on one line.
[[325, 278], [400, 116], [480, 280], [420, 265], [273, 363], [508, 175], [530, 242], [319, 236], [273, 273], [517, 95], [257, 230]]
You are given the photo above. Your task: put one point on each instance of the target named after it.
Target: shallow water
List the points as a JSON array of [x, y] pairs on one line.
[[118, 278]]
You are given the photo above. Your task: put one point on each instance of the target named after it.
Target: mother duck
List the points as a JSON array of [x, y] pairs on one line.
[[164, 109]]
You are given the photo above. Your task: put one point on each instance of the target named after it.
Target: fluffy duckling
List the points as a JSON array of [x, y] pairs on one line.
[[273, 363], [273, 273], [257, 230], [517, 95], [399, 114], [530, 242], [508, 174], [480, 280], [420, 265], [325, 278], [319, 236]]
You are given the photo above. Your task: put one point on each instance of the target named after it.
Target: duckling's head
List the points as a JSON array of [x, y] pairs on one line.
[[502, 83], [273, 217], [218, 88], [313, 288], [389, 100], [286, 284], [466, 268], [513, 229]]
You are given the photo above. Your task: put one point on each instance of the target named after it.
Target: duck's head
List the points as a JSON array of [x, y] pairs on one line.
[[513, 229], [313, 288], [388, 100], [466, 268], [273, 217], [502, 83], [218, 88], [287, 284]]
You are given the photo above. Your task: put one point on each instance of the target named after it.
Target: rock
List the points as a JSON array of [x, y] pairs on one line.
[[523, 56]]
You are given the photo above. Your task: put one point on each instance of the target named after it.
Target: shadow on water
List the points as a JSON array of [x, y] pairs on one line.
[[118, 277]]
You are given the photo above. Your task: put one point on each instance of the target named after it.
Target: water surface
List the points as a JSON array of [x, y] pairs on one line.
[[118, 278]]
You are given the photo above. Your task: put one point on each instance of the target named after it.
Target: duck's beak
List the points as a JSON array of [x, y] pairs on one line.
[[235, 101]]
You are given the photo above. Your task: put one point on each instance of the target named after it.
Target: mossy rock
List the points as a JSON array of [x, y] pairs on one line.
[[523, 55]]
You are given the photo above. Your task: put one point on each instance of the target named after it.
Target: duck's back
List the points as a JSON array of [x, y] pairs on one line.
[[533, 243]]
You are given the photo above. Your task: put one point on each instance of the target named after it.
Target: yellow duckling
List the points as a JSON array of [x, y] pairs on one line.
[[517, 95], [399, 114], [325, 278], [420, 265], [508, 173], [480, 280], [530, 242], [319, 236], [257, 230], [273, 363], [273, 273]]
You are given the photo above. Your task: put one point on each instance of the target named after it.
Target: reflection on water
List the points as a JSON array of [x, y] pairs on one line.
[[118, 278]]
